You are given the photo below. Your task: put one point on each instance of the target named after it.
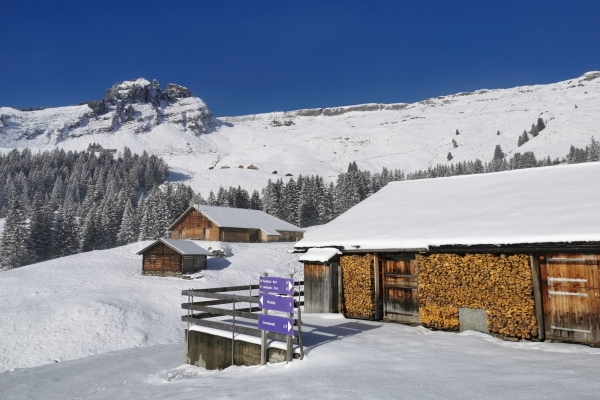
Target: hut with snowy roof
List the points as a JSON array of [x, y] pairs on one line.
[[228, 224], [168, 257], [512, 253]]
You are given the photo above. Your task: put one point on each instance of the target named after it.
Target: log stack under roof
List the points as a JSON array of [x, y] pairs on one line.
[[501, 285]]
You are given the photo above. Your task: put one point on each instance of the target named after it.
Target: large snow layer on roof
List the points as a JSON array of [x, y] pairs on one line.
[[319, 255], [226, 217], [186, 247], [550, 204], [183, 247]]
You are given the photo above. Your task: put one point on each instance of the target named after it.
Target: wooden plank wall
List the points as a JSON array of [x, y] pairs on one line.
[[193, 226], [166, 259], [571, 293], [321, 288]]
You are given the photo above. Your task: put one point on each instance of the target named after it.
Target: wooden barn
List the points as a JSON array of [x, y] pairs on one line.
[[168, 257], [225, 224], [514, 254]]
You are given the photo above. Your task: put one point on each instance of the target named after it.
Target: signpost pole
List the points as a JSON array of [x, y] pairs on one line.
[[290, 348], [263, 339], [233, 335]]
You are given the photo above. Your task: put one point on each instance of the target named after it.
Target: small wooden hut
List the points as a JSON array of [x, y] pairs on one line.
[[514, 254], [226, 224], [168, 257]]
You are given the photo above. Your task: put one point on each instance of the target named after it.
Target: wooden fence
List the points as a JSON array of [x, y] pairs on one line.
[[200, 312]]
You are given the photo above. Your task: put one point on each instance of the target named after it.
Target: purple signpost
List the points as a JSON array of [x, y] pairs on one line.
[[273, 323], [269, 288], [275, 285], [276, 303]]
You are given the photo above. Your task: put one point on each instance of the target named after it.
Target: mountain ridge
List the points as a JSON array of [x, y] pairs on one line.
[[199, 147]]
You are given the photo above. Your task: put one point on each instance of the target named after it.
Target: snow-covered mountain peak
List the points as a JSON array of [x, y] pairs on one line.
[[142, 91], [135, 106]]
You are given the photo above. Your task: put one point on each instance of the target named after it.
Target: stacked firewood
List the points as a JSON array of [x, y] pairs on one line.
[[358, 282], [501, 285]]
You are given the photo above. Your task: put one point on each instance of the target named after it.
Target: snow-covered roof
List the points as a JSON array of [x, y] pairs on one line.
[[227, 217], [319, 255], [538, 205], [183, 247]]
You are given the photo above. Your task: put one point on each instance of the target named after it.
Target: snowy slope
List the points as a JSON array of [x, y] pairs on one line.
[[82, 305], [324, 141]]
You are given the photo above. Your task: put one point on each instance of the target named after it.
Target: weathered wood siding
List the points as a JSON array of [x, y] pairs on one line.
[[235, 235], [289, 236], [571, 293], [193, 226], [161, 258], [321, 288], [399, 287], [501, 285]]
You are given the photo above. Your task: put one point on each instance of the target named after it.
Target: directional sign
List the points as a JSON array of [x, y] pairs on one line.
[[273, 323], [275, 303], [269, 284]]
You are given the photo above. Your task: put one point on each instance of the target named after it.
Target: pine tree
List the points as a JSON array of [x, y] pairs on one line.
[[255, 201], [449, 156], [534, 130], [14, 250], [40, 230], [65, 233], [457, 132], [540, 124], [594, 151], [454, 144], [127, 231]]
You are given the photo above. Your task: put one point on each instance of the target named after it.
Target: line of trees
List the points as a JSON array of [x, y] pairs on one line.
[[57, 203]]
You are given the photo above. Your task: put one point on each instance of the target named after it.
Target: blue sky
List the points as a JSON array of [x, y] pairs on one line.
[[258, 56]]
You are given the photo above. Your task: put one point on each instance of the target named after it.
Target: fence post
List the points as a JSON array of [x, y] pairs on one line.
[[290, 347], [263, 339], [233, 335]]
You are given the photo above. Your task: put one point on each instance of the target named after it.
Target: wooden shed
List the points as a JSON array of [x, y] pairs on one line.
[[168, 257], [225, 224], [321, 276], [482, 252]]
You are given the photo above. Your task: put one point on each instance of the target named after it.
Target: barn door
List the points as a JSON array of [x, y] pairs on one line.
[[399, 288], [571, 291]]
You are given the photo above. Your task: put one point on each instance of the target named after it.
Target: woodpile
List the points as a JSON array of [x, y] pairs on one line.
[[359, 286], [501, 285]]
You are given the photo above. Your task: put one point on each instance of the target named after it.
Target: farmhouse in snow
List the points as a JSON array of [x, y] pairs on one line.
[[168, 257], [227, 224], [512, 253]]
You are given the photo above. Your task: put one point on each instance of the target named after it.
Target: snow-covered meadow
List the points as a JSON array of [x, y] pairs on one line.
[[90, 326]]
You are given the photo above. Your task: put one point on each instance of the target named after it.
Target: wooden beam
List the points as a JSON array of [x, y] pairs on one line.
[[537, 295], [235, 328], [377, 285], [242, 313], [222, 296]]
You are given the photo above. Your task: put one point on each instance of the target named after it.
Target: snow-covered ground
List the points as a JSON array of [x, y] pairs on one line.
[[90, 326], [414, 137], [346, 359], [98, 302]]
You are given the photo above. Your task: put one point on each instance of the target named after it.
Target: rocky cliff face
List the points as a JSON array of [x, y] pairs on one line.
[[135, 106]]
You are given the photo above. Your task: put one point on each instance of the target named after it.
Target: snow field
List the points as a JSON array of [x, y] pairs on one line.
[[346, 359], [97, 302]]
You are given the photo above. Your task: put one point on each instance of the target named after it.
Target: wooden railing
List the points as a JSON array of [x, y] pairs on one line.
[[206, 308]]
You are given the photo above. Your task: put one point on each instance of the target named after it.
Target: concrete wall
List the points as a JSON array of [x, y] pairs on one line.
[[214, 352]]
